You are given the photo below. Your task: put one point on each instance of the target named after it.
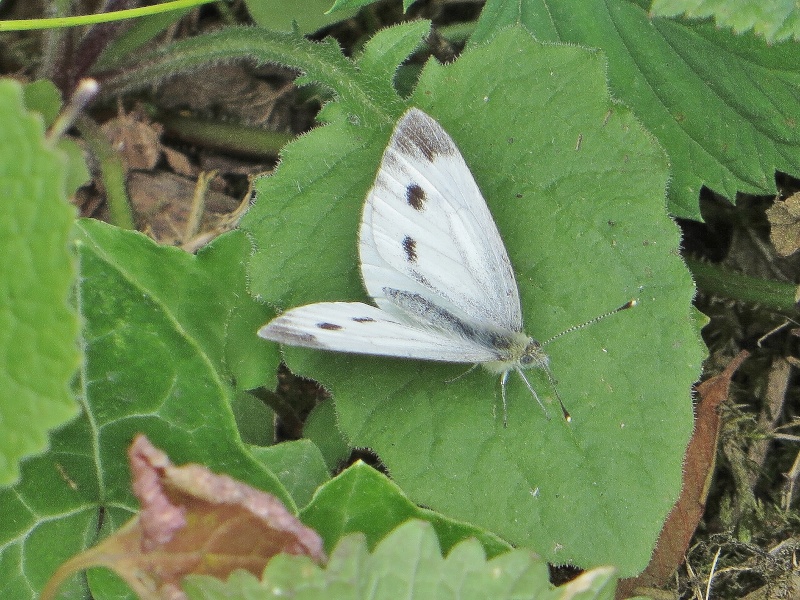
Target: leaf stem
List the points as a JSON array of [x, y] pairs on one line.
[[108, 17], [717, 280], [319, 62], [232, 137], [112, 173]]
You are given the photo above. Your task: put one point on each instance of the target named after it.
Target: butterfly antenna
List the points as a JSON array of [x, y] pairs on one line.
[[626, 306]]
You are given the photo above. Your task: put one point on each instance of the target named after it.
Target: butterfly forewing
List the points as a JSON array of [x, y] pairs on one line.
[[364, 329], [426, 230]]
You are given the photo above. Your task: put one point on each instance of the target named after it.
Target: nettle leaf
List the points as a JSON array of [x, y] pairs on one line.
[[298, 464], [577, 188], [775, 20], [408, 563], [155, 321], [724, 107], [38, 346]]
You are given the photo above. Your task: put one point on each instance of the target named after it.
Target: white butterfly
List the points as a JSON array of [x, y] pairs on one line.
[[434, 263]]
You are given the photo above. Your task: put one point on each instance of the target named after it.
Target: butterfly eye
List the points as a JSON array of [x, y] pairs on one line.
[[533, 355]]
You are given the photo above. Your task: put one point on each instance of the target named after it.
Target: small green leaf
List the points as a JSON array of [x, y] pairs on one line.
[[389, 48], [44, 97], [299, 466], [254, 419], [282, 15], [362, 500], [77, 171], [775, 20], [321, 428], [38, 346]]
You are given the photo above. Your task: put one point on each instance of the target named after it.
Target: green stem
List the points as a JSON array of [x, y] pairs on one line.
[[119, 15], [321, 62], [112, 173], [229, 137], [719, 281]]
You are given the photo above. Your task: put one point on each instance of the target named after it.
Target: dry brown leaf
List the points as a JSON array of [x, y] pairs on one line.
[[192, 521], [136, 139], [163, 203], [698, 466], [784, 219]]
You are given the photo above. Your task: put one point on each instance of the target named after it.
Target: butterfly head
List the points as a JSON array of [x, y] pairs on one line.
[[533, 356]]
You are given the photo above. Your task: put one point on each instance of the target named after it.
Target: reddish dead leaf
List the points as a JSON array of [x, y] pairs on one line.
[[192, 521], [698, 467]]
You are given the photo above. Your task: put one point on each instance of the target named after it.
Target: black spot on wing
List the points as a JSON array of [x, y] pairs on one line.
[[363, 319], [410, 248], [415, 196], [329, 326]]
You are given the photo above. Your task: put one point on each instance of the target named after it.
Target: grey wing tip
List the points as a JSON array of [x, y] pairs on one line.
[[275, 332], [415, 113], [415, 117], [418, 134], [265, 331]]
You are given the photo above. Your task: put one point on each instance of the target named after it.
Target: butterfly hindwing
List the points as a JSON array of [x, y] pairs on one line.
[[426, 229], [363, 329]]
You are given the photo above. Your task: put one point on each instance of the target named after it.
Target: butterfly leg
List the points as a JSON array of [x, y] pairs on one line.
[[467, 372], [564, 411], [503, 379], [530, 387]]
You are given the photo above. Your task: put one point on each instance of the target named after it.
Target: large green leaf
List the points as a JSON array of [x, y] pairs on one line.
[[38, 344], [577, 189], [724, 107], [156, 338]]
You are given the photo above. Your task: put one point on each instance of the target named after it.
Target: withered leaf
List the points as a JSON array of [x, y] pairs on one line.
[[698, 467], [784, 220], [192, 521]]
